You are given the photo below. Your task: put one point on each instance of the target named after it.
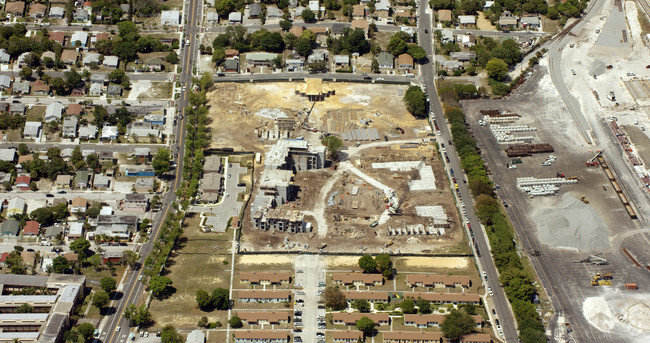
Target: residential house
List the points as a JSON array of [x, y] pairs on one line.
[[212, 18], [412, 337], [32, 129], [317, 56], [81, 179], [232, 53], [135, 203], [370, 296], [9, 227], [451, 66], [444, 16], [32, 228], [81, 37], [17, 108], [70, 127], [256, 59], [254, 278], [357, 279], [57, 12], [16, 8], [109, 132], [358, 11], [295, 64], [99, 78], [142, 154], [341, 61], [273, 12], [81, 15], [78, 205], [380, 319], [360, 24], [314, 6], [5, 58], [264, 317], [386, 60], [143, 185], [52, 232], [466, 21], [261, 336], [155, 64], [48, 54], [53, 112], [22, 87], [234, 18], [447, 36], [487, 5], [74, 110], [508, 20], [255, 296], [5, 82], [101, 181], [463, 56], [102, 36], [8, 155], [170, 18], [4, 107], [347, 336], [405, 62], [432, 320], [16, 205], [467, 41], [438, 281], [337, 31], [212, 164], [87, 132], [106, 157], [141, 129], [58, 37], [91, 57], [69, 56], [37, 10], [40, 88], [155, 119], [22, 59], [95, 89], [231, 65], [114, 90], [382, 8], [22, 182], [530, 22], [446, 298], [111, 62], [254, 11], [63, 181]]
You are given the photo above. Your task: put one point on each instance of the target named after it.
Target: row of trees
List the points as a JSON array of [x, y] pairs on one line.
[[381, 263], [218, 299], [517, 282]]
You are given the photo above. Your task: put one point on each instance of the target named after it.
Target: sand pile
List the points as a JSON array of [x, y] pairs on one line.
[[570, 224], [622, 314]]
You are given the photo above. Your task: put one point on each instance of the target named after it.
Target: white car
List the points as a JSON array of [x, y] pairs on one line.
[[490, 291], [117, 329]]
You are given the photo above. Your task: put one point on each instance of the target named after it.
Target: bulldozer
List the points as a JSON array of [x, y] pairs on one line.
[[603, 279], [584, 199]]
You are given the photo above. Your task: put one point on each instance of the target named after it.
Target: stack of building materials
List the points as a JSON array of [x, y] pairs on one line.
[[542, 187], [361, 135], [520, 150], [416, 229]]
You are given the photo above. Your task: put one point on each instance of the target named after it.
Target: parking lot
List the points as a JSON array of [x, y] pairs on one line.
[[310, 273]]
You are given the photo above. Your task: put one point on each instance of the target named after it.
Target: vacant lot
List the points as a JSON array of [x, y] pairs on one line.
[[197, 264]]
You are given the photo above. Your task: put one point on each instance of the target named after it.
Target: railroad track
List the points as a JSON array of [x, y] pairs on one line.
[[645, 5]]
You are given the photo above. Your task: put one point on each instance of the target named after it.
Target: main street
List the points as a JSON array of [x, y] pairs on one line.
[[132, 288], [484, 259]]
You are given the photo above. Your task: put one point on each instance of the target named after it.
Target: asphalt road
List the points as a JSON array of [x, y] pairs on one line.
[[304, 74], [484, 259], [97, 147], [132, 288]]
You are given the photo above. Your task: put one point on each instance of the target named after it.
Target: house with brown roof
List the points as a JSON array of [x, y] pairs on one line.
[[255, 278], [71, 257], [232, 53], [444, 15], [37, 10], [370, 296], [78, 205], [317, 30], [16, 9], [296, 30], [445, 298], [358, 11], [405, 62], [74, 110], [264, 317], [432, 320], [412, 337], [58, 37], [102, 35], [22, 182], [476, 338], [357, 279], [63, 181], [31, 228], [261, 336], [69, 56], [255, 296], [40, 88], [347, 336], [439, 281], [352, 318], [360, 24]]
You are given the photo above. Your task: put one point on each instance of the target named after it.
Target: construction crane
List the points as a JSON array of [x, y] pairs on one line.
[[592, 162]]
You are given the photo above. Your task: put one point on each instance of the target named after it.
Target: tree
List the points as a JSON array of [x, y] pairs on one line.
[[80, 245], [385, 265], [374, 67], [137, 316], [158, 285], [303, 47], [101, 299], [25, 308], [204, 300], [169, 335], [23, 149], [235, 322], [496, 68], [172, 57], [220, 298], [334, 299], [366, 325], [160, 161], [116, 76], [60, 265], [94, 210], [131, 258], [95, 260], [417, 52], [367, 264], [408, 306], [415, 101], [334, 145], [108, 284], [26, 72], [203, 322], [317, 67], [456, 324], [286, 25], [86, 331], [361, 304], [308, 16], [423, 306], [397, 43]]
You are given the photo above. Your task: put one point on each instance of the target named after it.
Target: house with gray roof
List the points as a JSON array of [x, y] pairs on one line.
[[9, 227], [91, 57], [111, 61], [69, 129], [212, 18], [32, 129], [95, 89], [17, 108], [254, 10], [234, 18], [79, 36], [170, 18], [341, 60], [386, 60], [54, 111], [81, 14], [5, 82], [99, 78], [8, 155], [256, 59], [22, 87], [114, 90], [88, 132], [5, 58], [57, 12]]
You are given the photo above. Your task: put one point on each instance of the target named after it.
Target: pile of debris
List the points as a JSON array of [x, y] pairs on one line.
[[416, 229]]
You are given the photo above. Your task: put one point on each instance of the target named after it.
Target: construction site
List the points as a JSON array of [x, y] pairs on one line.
[[386, 192]]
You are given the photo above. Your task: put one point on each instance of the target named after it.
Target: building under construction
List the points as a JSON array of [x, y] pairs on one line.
[[314, 90], [273, 219]]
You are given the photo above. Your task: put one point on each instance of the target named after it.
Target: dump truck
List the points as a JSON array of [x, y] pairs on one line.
[[584, 199], [630, 286]]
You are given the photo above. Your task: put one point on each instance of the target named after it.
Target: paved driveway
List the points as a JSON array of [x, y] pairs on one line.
[[311, 273]]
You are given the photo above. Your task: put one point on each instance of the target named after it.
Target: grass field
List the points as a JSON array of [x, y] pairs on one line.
[[197, 264], [35, 113]]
